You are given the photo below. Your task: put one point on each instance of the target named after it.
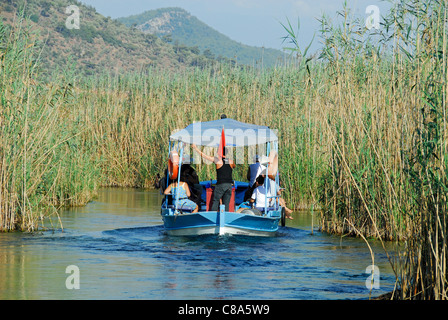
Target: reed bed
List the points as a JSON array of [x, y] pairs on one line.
[[130, 118], [384, 110], [362, 132], [41, 164], [67, 136]]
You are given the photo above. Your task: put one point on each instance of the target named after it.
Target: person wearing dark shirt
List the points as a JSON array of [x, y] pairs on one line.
[[224, 169]]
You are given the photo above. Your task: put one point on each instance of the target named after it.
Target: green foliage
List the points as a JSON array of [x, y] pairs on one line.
[[101, 44], [387, 163], [364, 129], [35, 138]]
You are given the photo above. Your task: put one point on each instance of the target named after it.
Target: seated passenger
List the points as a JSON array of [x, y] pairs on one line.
[[188, 172], [184, 192], [259, 195], [282, 202], [189, 175], [255, 169], [162, 184], [250, 191]]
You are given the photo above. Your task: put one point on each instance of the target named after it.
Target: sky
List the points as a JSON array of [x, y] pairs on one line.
[[251, 22]]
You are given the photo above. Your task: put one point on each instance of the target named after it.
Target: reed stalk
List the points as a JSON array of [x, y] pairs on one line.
[[36, 136], [385, 115]]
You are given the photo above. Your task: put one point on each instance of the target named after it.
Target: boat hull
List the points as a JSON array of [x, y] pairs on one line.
[[220, 223]]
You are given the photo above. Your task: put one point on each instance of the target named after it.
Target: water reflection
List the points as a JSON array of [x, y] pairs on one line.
[[122, 252]]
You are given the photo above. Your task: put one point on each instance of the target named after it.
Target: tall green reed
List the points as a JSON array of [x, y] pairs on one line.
[[384, 112], [36, 136], [134, 116]]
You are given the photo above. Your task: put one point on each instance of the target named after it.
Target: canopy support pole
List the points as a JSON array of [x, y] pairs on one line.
[[277, 180], [179, 146], [167, 174], [266, 181]]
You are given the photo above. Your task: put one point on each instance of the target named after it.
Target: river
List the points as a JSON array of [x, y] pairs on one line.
[[116, 248]]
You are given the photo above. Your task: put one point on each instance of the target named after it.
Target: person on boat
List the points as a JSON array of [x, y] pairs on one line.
[[258, 197], [249, 191], [256, 168], [283, 204], [182, 202], [224, 169], [161, 184], [279, 190], [188, 174]]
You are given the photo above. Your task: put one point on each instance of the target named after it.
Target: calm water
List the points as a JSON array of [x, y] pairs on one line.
[[120, 248]]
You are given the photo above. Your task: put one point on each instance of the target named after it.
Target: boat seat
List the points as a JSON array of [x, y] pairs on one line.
[[251, 211]]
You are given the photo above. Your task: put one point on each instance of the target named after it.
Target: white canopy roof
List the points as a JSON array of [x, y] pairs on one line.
[[237, 134]]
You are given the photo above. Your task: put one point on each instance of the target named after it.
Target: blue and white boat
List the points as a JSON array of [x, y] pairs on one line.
[[241, 219]]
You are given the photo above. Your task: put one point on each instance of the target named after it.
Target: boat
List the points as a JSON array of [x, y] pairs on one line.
[[241, 218]]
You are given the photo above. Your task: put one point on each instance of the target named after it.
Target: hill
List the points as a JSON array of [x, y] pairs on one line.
[[177, 25], [100, 44]]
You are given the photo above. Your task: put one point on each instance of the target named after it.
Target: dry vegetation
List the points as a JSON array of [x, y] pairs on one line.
[[363, 130]]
